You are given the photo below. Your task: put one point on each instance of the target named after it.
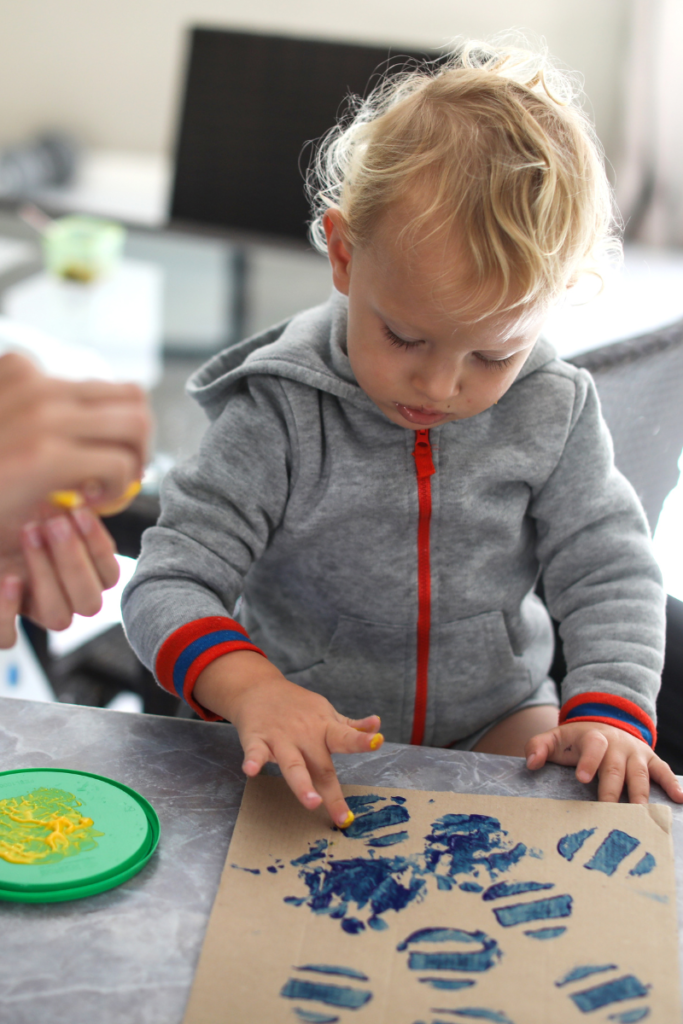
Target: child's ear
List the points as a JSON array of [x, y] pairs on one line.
[[338, 249]]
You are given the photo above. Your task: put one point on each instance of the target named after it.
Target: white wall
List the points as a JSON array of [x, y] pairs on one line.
[[111, 70]]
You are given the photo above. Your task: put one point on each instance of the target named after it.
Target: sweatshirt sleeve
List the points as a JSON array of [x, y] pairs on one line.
[[601, 580], [218, 511]]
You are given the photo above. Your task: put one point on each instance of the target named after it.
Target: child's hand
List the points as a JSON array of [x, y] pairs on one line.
[[282, 722], [63, 566], [614, 754]]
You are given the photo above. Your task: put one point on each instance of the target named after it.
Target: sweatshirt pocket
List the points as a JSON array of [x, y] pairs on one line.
[[476, 676], [363, 672]]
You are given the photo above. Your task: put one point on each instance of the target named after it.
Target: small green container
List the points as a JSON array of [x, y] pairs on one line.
[[130, 835], [83, 248]]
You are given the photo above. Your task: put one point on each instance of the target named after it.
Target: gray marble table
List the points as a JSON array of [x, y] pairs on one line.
[[129, 955]]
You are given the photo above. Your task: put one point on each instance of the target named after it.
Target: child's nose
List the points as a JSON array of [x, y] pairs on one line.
[[439, 381]]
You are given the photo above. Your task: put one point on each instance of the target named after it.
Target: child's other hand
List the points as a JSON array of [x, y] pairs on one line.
[[282, 722], [64, 564], [616, 756]]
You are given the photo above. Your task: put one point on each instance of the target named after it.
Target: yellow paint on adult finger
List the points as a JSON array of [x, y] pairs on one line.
[[131, 491]]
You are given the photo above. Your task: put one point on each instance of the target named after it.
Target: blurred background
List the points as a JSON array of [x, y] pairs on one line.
[[184, 124]]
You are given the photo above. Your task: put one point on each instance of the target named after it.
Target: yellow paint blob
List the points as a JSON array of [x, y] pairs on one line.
[[44, 826]]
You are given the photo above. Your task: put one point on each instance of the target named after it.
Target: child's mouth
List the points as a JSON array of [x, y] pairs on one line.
[[423, 417]]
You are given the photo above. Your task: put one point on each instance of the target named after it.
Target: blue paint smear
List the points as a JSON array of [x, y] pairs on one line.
[[352, 925], [444, 883], [494, 892], [399, 799], [390, 840], [471, 887], [392, 814], [250, 871], [466, 842], [537, 910], [331, 995], [478, 1013], [631, 1016], [378, 924], [627, 987], [314, 1018], [478, 960], [365, 799], [316, 852], [584, 972], [658, 897], [452, 984], [570, 845], [644, 866], [272, 870], [612, 850], [546, 933], [346, 972]]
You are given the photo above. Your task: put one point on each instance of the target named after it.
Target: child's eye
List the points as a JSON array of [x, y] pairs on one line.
[[399, 342], [493, 364]]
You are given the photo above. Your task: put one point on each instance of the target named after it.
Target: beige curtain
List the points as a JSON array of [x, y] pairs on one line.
[[650, 177]]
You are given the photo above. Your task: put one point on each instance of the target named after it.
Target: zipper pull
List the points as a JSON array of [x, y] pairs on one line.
[[422, 454]]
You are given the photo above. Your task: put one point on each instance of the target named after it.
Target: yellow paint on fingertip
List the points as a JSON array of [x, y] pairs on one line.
[[376, 741], [131, 491], [66, 499], [350, 817]]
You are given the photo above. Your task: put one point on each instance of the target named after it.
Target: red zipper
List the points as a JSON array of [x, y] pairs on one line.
[[424, 466]]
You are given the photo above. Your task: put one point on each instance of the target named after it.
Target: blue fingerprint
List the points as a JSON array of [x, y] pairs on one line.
[[571, 844], [644, 866], [390, 840], [378, 924], [444, 883], [392, 814], [504, 861], [468, 842], [399, 799], [314, 1018], [365, 799], [478, 1013], [584, 972], [627, 987], [346, 972], [494, 892], [471, 887], [331, 995], [295, 901], [316, 852], [250, 871], [272, 870], [612, 850], [478, 960], [537, 910], [631, 1016], [452, 984], [352, 925], [546, 933]]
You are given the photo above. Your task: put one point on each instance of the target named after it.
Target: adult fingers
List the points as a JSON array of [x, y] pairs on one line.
[[611, 778], [48, 605], [74, 569], [10, 603], [593, 749], [100, 545], [346, 739], [661, 773], [638, 778]]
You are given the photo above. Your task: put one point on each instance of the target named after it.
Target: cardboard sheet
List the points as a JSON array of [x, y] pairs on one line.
[[435, 908]]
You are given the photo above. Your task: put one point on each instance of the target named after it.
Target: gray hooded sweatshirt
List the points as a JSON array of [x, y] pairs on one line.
[[304, 501]]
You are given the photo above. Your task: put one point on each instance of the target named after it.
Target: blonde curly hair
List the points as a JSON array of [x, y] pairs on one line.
[[494, 141]]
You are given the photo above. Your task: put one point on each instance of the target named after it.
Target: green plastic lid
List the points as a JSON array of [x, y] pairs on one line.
[[67, 834]]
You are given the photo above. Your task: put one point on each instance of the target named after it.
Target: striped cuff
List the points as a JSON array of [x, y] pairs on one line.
[[613, 710], [188, 650]]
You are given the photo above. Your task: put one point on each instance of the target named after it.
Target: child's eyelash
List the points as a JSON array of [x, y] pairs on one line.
[[494, 364], [399, 342]]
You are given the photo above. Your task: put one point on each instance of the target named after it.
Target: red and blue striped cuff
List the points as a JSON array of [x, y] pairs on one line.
[[188, 650], [613, 710]]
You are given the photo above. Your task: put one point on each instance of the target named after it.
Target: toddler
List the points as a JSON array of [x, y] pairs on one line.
[[385, 477]]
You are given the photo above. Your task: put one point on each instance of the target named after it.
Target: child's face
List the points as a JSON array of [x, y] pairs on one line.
[[409, 349]]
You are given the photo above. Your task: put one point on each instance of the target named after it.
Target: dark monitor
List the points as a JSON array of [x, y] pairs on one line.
[[251, 104]]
